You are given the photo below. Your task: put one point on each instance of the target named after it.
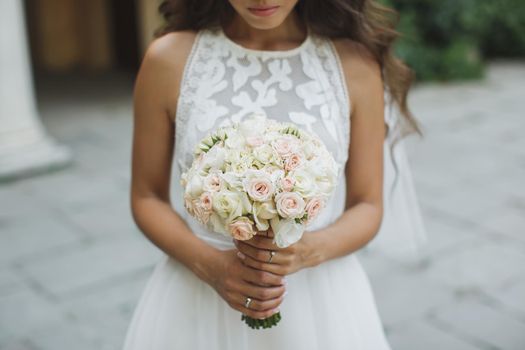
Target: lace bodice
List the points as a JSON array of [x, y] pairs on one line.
[[223, 82]]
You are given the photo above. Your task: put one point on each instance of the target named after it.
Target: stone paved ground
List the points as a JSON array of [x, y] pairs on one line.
[[72, 263]]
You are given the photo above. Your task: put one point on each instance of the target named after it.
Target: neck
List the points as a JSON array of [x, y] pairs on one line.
[[291, 30]]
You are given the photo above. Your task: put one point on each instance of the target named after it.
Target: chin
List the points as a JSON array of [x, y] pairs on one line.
[[263, 23], [264, 26]]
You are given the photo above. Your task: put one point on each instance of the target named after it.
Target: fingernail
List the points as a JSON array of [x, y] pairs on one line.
[[241, 255], [284, 294], [285, 282], [276, 310]]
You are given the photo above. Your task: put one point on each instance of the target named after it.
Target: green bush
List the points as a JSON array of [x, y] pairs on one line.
[[451, 39]]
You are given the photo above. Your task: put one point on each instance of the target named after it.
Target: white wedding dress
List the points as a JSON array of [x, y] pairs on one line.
[[330, 306]]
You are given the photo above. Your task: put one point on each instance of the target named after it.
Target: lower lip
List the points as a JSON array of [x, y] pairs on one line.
[[265, 12]]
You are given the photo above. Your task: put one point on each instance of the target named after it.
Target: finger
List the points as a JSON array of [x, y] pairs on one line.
[[254, 313], [263, 255], [261, 293], [257, 304], [262, 242], [261, 278], [273, 267]]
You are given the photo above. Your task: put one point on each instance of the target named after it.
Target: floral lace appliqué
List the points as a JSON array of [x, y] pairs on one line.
[[265, 93], [223, 84]]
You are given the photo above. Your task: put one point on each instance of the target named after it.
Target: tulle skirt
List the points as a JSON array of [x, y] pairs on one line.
[[329, 306]]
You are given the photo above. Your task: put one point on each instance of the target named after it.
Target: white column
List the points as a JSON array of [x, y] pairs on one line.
[[25, 147]]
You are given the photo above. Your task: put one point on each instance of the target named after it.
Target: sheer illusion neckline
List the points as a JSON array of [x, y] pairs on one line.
[[275, 53]]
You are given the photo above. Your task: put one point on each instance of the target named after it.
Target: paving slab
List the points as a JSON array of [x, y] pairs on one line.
[[73, 263]]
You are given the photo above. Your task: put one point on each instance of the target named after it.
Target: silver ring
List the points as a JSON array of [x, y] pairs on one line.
[[247, 302], [272, 254]]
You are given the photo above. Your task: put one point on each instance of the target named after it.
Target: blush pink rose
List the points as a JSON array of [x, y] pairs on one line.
[[313, 207], [292, 161], [241, 228], [287, 183], [188, 204], [260, 189], [284, 146], [289, 204], [201, 212], [206, 201], [212, 183]]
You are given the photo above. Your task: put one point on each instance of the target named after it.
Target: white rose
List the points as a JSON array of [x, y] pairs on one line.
[[276, 174], [262, 212], [274, 170], [252, 125], [254, 141], [233, 155], [194, 186], [266, 210], [239, 167], [323, 160], [266, 154], [214, 158], [324, 173], [272, 134], [304, 183], [326, 184], [233, 180], [309, 149], [239, 162], [286, 231], [229, 204], [235, 141]]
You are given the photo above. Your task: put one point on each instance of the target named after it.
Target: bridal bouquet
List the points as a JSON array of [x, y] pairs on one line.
[[256, 174]]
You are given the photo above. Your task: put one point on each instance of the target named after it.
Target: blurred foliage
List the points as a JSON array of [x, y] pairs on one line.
[[450, 39]]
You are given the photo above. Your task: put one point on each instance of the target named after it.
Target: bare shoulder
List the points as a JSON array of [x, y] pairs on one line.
[[171, 48], [361, 69], [163, 64]]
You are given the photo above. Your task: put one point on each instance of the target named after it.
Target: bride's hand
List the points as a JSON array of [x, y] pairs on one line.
[[235, 281], [256, 252]]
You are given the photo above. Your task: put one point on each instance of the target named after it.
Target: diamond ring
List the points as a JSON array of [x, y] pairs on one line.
[[272, 253], [247, 302]]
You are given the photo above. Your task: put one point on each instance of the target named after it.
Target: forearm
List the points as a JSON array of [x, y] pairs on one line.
[[164, 227], [350, 232]]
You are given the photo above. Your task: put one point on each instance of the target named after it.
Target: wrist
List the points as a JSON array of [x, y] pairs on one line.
[[313, 249], [204, 266]]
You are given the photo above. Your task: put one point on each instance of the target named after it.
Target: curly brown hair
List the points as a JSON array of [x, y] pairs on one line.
[[364, 21]]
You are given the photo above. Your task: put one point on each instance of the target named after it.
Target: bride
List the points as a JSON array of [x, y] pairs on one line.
[[323, 64]]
